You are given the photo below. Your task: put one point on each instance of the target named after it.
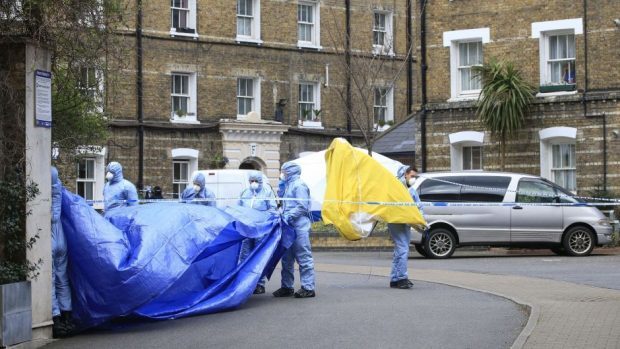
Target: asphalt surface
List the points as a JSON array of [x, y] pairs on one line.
[[601, 269], [350, 311]]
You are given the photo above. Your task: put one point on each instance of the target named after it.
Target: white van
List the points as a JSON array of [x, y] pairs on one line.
[[228, 184], [505, 209]]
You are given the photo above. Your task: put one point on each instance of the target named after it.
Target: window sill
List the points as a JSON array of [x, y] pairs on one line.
[[382, 128], [247, 40], [308, 45], [553, 94], [174, 33], [381, 51], [184, 121], [310, 124], [464, 98], [557, 88]]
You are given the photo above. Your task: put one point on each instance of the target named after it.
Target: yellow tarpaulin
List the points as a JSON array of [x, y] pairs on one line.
[[354, 177]]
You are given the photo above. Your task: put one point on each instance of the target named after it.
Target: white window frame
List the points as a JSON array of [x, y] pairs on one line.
[[461, 140], [459, 68], [191, 20], [256, 96], [316, 94], [564, 169], [191, 117], [255, 36], [185, 155], [469, 148], [315, 43], [90, 152], [388, 38], [183, 182], [548, 138], [389, 101], [96, 91], [452, 39], [544, 30], [92, 181]]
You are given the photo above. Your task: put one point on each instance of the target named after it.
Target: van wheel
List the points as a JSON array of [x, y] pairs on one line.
[[578, 241], [440, 243], [420, 249]]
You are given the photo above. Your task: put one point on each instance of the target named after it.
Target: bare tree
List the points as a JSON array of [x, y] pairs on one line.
[[373, 76], [83, 39]]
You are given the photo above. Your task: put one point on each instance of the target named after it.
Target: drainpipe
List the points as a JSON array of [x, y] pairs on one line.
[[423, 68], [603, 116], [409, 61], [139, 98], [347, 57]]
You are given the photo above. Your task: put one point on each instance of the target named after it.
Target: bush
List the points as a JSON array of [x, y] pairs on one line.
[[14, 266]]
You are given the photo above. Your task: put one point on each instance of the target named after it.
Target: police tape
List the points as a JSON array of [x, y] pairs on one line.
[[362, 203]]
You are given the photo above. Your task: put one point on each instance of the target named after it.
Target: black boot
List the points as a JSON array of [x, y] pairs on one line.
[[303, 293], [259, 289], [58, 328], [284, 292], [67, 320]]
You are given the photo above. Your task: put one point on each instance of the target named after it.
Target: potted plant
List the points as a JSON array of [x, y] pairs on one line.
[[317, 114], [15, 269], [219, 161]]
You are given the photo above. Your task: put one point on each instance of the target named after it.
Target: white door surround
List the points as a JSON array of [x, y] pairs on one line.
[[253, 140]]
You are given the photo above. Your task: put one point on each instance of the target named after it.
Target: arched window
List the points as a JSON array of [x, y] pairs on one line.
[[184, 164], [558, 156], [466, 151]]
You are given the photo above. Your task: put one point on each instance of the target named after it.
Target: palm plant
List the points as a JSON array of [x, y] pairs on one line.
[[504, 100]]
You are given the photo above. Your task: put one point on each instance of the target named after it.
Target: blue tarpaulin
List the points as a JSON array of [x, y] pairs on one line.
[[165, 260]]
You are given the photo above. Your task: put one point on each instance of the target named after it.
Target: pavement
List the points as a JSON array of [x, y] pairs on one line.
[[351, 310], [563, 314]]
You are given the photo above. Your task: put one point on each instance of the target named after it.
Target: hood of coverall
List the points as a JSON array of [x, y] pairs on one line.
[[401, 173], [291, 170], [117, 170], [199, 179], [258, 177]]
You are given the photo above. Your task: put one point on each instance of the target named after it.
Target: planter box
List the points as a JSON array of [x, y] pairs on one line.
[[16, 312], [557, 88]]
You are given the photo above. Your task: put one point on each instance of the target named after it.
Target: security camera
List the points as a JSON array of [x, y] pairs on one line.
[[616, 133], [617, 21]]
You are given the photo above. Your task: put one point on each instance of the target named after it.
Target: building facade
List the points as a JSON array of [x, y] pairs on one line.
[[567, 49], [243, 84]]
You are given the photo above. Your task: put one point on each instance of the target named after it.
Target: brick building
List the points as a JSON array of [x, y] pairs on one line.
[[567, 48], [253, 82]]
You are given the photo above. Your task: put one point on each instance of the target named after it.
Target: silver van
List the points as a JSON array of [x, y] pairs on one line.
[[505, 209]]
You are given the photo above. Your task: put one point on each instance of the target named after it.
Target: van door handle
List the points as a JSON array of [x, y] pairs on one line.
[[517, 207]]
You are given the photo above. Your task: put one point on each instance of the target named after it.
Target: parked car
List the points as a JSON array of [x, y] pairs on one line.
[[228, 184], [504, 214]]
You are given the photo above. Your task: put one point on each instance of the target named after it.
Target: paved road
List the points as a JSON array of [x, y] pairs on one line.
[[601, 269], [351, 311]]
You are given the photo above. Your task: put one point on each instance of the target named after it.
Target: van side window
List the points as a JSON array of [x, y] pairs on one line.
[[435, 189], [484, 188], [535, 191]]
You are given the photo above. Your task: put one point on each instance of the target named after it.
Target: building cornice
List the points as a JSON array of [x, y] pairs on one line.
[[592, 96], [266, 45]]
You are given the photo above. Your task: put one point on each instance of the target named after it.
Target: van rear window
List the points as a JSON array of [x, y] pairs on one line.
[[484, 188], [441, 189]]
